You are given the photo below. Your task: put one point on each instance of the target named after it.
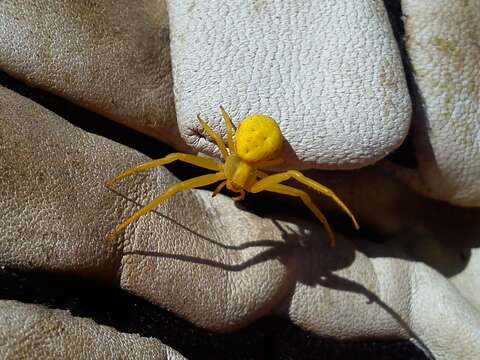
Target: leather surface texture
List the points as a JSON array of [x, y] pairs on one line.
[[442, 40], [222, 267], [338, 92], [36, 332]]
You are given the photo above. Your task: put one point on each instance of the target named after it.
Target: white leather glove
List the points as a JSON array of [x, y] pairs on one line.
[[419, 284], [329, 71], [442, 40], [36, 332]]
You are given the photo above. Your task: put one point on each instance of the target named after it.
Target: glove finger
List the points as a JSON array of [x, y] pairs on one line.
[[110, 57], [417, 280], [329, 72], [383, 297], [56, 214], [442, 43], [196, 256], [36, 332]]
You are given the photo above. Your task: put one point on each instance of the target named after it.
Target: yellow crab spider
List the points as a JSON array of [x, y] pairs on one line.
[[257, 145]]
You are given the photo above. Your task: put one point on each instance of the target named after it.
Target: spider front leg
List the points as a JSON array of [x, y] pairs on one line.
[[195, 182], [206, 163], [269, 181], [307, 200]]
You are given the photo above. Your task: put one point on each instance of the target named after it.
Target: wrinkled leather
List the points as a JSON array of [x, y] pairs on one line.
[[55, 214], [36, 332], [64, 173], [402, 283], [328, 71], [95, 70], [442, 40], [111, 57], [192, 256]]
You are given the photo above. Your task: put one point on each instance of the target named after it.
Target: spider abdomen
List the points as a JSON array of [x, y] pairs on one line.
[[258, 138]]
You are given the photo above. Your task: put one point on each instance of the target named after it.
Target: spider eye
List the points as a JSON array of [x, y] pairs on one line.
[[258, 138]]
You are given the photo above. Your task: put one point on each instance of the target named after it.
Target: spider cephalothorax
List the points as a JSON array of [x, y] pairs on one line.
[[255, 145]]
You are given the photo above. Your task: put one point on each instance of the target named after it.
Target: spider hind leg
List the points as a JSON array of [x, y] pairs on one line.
[[275, 179], [196, 160], [195, 182], [307, 200]]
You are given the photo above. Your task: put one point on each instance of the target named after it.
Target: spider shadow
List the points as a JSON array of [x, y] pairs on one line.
[[276, 246], [317, 265], [318, 262], [404, 224], [303, 238]]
